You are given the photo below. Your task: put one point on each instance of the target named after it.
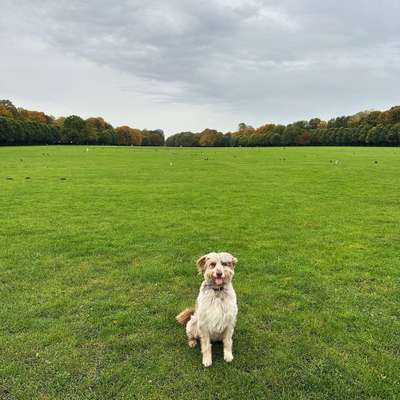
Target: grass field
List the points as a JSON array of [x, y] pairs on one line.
[[97, 257]]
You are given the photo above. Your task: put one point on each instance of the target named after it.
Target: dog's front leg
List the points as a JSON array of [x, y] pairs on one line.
[[227, 341], [206, 350]]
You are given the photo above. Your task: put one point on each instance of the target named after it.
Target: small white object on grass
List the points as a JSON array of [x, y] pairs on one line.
[[87, 149]]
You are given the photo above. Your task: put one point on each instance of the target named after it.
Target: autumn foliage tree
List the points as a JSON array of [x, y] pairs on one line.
[[127, 136]]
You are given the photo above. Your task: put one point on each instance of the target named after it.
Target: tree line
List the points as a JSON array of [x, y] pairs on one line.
[[24, 127], [367, 128]]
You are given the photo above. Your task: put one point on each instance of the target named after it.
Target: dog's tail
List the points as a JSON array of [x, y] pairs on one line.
[[184, 316]]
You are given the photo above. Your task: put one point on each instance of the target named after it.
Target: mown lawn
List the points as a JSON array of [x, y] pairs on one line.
[[97, 252]]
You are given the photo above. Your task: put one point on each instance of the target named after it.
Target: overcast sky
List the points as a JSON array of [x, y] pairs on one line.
[[187, 65]]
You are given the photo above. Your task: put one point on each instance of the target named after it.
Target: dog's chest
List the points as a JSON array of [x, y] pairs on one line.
[[217, 312]]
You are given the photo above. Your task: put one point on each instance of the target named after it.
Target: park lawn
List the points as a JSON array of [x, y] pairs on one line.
[[97, 253]]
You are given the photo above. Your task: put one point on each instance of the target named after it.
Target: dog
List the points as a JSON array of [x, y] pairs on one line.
[[214, 316]]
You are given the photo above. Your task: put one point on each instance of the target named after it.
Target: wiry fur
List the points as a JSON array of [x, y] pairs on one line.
[[184, 316], [215, 313]]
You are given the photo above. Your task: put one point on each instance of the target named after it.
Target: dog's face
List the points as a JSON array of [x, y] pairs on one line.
[[217, 268]]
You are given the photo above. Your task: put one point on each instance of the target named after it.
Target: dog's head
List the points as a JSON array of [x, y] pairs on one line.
[[217, 268]]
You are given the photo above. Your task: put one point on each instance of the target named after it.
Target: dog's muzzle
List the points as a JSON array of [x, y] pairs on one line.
[[219, 278]]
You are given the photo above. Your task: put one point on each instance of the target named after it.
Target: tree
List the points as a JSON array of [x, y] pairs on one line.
[[185, 139], [153, 138], [74, 130], [275, 139], [7, 109], [123, 135], [394, 115], [209, 137], [129, 136], [314, 123], [373, 118], [36, 116]]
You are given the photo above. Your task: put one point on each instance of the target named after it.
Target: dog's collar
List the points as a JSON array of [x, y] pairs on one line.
[[215, 288]]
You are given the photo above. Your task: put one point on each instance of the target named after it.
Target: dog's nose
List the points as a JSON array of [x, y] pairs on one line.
[[219, 274]]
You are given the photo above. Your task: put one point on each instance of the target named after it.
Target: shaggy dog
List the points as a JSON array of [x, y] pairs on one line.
[[214, 316]]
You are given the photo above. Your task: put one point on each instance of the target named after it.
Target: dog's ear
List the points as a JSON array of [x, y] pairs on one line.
[[201, 263], [234, 261]]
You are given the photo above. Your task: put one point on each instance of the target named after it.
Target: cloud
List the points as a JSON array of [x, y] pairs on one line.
[[288, 59]]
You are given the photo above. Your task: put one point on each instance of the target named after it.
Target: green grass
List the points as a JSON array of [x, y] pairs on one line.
[[94, 267]]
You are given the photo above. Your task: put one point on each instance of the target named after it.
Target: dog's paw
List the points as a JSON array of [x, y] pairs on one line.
[[192, 343], [207, 362], [228, 357]]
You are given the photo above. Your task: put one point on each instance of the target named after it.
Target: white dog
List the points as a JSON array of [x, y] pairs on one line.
[[214, 316]]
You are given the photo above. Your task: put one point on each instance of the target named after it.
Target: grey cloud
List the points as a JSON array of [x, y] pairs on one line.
[[237, 55]]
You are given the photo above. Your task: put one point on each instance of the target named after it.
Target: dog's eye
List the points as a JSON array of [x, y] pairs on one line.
[[212, 265], [224, 264]]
